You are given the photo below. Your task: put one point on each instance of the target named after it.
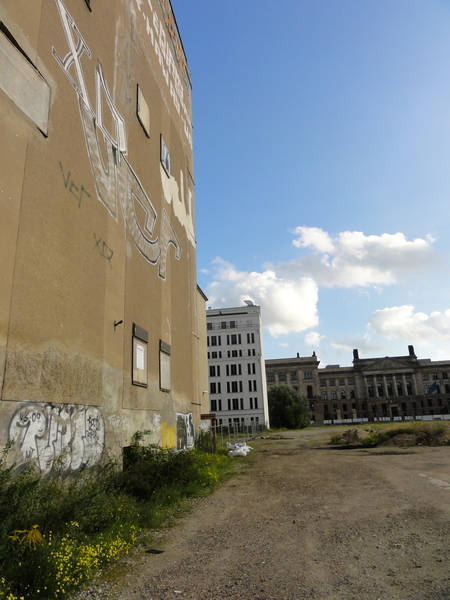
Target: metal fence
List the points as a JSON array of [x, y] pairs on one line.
[[233, 433]]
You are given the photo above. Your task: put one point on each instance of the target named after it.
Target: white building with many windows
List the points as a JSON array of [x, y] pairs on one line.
[[237, 378]]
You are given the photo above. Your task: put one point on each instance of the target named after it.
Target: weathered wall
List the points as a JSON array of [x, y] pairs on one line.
[[96, 229]]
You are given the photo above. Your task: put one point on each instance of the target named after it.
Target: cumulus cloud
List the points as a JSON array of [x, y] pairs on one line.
[[401, 322], [352, 259], [313, 339], [288, 291], [287, 304], [365, 344]]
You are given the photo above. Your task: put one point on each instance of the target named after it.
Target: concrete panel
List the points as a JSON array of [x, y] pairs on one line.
[[20, 81]]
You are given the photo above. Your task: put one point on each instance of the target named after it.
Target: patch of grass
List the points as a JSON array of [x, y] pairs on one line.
[[57, 532], [422, 433]]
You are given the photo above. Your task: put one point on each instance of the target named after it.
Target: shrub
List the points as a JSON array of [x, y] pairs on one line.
[[56, 532]]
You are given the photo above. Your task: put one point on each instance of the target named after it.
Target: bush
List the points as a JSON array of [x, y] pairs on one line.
[[56, 532], [287, 408]]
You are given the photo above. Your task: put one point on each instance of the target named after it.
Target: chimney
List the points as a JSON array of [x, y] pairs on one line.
[[355, 354], [298, 355]]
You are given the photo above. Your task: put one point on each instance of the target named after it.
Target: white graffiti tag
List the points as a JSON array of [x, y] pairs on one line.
[[71, 434], [185, 431], [115, 180]]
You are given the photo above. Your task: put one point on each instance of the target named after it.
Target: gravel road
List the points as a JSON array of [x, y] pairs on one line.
[[303, 520]]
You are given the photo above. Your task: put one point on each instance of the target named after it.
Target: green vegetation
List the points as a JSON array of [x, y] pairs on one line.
[[287, 409], [416, 433], [57, 532]]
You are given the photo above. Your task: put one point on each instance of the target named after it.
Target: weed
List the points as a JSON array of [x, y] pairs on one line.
[[56, 531]]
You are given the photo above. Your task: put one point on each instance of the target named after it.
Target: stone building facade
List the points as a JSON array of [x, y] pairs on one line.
[[102, 326], [237, 382], [373, 389]]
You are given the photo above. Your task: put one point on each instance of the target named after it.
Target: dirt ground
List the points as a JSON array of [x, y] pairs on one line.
[[303, 520]]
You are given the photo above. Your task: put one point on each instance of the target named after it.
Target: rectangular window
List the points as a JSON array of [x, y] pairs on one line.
[[213, 405], [307, 375], [212, 371], [324, 395], [223, 325], [209, 326], [235, 404], [234, 387], [164, 366], [212, 388], [233, 369], [229, 404], [241, 402], [213, 340], [256, 404], [140, 344], [165, 157], [251, 403], [232, 324]]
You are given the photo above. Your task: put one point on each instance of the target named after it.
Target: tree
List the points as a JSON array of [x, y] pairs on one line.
[[287, 408]]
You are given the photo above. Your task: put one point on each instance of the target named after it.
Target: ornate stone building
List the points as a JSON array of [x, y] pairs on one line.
[[373, 389]]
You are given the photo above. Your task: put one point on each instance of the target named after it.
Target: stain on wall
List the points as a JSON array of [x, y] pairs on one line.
[[73, 435]]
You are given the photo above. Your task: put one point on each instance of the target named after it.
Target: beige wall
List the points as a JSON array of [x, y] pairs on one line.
[[94, 230]]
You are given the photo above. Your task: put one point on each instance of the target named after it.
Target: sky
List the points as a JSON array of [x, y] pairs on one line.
[[322, 170]]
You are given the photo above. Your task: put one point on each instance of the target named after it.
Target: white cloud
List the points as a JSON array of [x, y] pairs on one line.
[[288, 291], [364, 344], [313, 339], [352, 259], [287, 304], [401, 322], [313, 237]]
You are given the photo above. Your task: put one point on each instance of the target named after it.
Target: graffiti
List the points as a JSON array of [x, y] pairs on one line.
[[69, 184], [118, 423], [185, 431], [163, 47], [103, 249], [71, 434], [116, 182]]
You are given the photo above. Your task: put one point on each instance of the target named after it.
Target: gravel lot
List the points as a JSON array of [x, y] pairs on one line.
[[303, 520]]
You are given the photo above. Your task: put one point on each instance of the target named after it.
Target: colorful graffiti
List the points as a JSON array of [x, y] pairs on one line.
[[116, 182], [70, 434]]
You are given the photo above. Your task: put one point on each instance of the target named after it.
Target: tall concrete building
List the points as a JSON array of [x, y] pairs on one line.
[[373, 389], [102, 326], [237, 382]]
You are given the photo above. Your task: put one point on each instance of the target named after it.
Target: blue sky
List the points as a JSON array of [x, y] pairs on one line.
[[322, 170]]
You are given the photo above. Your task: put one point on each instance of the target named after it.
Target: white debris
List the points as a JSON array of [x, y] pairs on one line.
[[238, 449]]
